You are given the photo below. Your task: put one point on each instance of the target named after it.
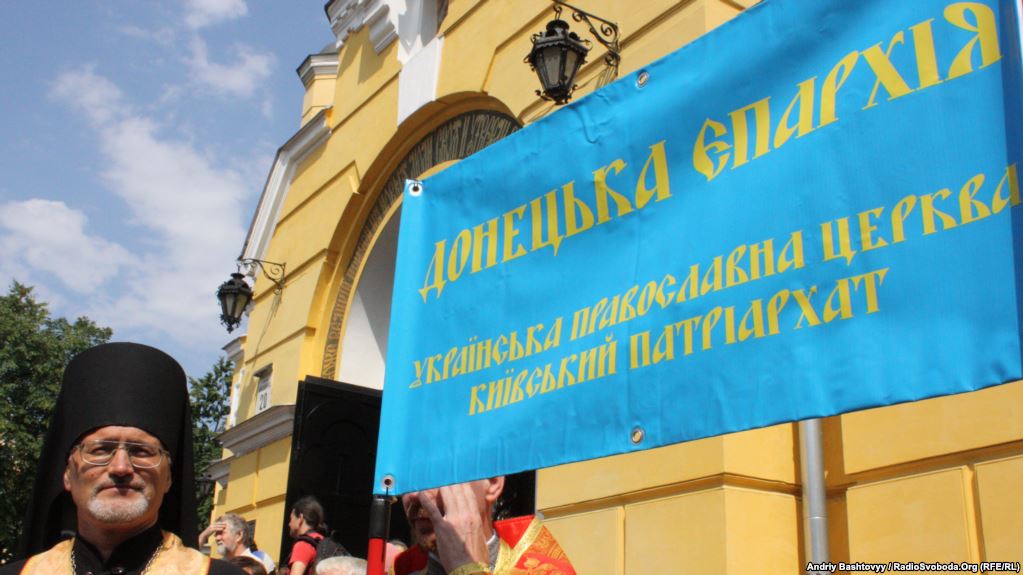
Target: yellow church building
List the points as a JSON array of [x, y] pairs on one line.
[[411, 87]]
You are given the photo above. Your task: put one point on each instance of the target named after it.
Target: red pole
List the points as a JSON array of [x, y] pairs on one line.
[[379, 526]]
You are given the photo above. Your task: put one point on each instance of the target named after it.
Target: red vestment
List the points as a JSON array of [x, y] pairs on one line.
[[527, 548]]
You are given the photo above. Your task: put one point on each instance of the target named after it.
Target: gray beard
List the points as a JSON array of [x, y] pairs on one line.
[[118, 511], [221, 550]]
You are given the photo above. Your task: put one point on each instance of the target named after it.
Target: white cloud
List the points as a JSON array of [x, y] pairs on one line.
[[187, 207], [202, 13], [91, 93], [47, 236], [241, 78]]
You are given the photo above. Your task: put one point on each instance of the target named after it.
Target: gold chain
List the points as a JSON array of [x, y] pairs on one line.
[[74, 565]]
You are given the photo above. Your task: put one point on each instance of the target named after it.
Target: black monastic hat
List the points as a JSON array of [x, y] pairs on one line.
[[126, 384]]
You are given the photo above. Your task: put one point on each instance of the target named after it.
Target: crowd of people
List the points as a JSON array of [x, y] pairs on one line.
[[114, 495]]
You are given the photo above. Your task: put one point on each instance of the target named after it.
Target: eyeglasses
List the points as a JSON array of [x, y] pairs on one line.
[[141, 455]]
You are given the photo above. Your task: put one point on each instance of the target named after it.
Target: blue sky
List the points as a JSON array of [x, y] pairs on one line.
[[137, 138]]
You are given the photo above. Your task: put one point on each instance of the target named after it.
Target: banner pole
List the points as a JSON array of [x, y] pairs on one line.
[[379, 526], [815, 503]]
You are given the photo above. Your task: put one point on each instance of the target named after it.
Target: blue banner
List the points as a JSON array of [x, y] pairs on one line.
[[808, 211]]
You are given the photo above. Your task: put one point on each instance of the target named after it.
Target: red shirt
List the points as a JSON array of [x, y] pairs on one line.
[[303, 551]]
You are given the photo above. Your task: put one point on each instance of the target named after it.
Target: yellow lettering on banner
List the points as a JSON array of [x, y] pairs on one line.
[[987, 36], [867, 240], [845, 302], [553, 337], [418, 381], [712, 277], [626, 310], [461, 246], [792, 253], [929, 212], [804, 125], [690, 285], [607, 357], [432, 373], [999, 201], [550, 383], [899, 216], [710, 320], [664, 300], [511, 249], [661, 188], [970, 208], [610, 315], [516, 387], [574, 223], [845, 249], [580, 322], [734, 274], [475, 404], [449, 359], [926, 57], [686, 328], [870, 281], [496, 354], [805, 307], [533, 344], [603, 191], [664, 347], [515, 350], [730, 325], [587, 368], [832, 83], [436, 268], [536, 211], [565, 375], [761, 251], [740, 131], [774, 307], [478, 236], [639, 349], [701, 159], [880, 63], [646, 298], [754, 314]]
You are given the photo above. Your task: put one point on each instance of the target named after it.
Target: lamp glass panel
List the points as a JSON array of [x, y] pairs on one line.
[[227, 303], [240, 303], [571, 66], [552, 66]]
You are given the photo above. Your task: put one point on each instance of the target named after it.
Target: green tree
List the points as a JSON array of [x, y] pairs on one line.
[[211, 395], [34, 349]]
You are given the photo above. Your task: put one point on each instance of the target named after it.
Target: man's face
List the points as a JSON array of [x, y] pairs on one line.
[[229, 542], [419, 518], [117, 496], [294, 524]]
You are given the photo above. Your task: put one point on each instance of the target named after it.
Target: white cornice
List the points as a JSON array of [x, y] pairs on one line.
[[317, 65], [347, 16], [259, 430], [218, 471], [308, 138], [235, 349]]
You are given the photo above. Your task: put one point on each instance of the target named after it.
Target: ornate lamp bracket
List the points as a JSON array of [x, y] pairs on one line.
[[272, 271], [607, 34]]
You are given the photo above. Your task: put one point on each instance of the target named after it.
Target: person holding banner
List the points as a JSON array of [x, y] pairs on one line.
[[456, 535]]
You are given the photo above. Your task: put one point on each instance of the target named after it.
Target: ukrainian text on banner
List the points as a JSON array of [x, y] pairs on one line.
[[808, 211]]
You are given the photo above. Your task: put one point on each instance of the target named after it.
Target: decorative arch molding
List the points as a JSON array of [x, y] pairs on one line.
[[455, 139]]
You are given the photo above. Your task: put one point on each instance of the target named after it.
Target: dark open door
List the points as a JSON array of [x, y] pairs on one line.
[[333, 453]]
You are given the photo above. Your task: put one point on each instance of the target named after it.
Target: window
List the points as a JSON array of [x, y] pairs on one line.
[[263, 389]]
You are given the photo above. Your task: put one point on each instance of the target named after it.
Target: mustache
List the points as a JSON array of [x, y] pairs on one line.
[[136, 485]]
